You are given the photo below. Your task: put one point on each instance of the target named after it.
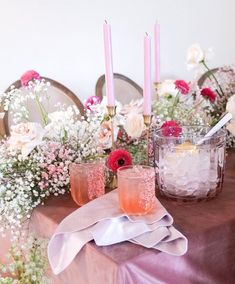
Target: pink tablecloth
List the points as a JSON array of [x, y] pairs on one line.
[[209, 227]]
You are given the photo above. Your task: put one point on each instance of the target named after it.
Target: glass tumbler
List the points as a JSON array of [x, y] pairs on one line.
[[189, 166], [136, 189], [87, 181]]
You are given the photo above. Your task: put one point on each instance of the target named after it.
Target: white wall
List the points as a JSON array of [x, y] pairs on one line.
[[63, 39]]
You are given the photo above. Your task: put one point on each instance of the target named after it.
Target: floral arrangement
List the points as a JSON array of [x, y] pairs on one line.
[[129, 127], [220, 80], [27, 264], [192, 103], [182, 102], [35, 159]]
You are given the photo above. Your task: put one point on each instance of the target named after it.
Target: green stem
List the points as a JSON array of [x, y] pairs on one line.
[[189, 114], [199, 103], [176, 100], [42, 111], [213, 76]]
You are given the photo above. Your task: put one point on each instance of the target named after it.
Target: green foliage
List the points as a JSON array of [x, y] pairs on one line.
[[27, 263]]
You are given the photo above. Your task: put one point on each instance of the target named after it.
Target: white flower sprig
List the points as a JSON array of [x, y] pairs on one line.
[[15, 101], [27, 264]]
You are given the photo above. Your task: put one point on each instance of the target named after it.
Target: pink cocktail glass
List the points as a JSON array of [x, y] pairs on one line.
[[136, 189], [87, 181]]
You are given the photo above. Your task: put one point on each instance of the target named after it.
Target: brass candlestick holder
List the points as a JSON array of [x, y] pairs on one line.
[[147, 122], [156, 85], [112, 113]]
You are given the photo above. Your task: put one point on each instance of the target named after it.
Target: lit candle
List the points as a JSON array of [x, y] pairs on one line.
[[157, 52], [147, 75], [108, 65]]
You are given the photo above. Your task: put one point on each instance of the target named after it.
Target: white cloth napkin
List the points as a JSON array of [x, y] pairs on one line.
[[103, 221]]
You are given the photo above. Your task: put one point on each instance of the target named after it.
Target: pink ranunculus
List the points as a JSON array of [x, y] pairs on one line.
[[171, 128], [93, 100], [182, 86], [208, 94], [28, 76]]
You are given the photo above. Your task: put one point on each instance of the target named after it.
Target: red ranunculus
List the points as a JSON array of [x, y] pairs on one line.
[[182, 86], [28, 76], [171, 128], [119, 158], [93, 100], [208, 94]]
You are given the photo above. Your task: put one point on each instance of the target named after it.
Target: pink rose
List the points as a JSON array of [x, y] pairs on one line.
[[182, 86], [93, 100], [28, 76], [105, 134]]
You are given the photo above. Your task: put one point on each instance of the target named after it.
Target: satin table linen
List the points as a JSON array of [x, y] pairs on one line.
[[104, 222], [209, 227]]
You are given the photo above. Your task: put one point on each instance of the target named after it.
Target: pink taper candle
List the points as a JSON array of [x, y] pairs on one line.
[[157, 52], [147, 76], [108, 65]]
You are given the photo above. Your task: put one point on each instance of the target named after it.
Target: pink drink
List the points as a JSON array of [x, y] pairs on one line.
[[136, 189], [87, 181]]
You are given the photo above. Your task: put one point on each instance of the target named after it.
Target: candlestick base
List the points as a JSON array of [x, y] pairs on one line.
[[112, 113], [147, 122], [113, 183], [156, 85]]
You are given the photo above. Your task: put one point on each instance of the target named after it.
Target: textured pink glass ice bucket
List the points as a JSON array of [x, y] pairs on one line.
[[189, 168], [87, 181], [136, 189]]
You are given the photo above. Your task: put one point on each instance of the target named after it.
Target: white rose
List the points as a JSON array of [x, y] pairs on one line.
[[25, 137], [134, 125], [166, 88], [194, 56], [230, 107]]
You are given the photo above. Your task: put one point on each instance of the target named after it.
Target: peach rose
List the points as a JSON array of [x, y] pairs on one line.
[[105, 134]]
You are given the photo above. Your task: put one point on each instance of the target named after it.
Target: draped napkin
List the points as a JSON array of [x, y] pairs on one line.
[[104, 222]]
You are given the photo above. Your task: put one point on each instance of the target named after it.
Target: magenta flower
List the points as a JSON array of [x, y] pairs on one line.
[[28, 76], [171, 128], [182, 86], [93, 100], [208, 94], [119, 158]]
